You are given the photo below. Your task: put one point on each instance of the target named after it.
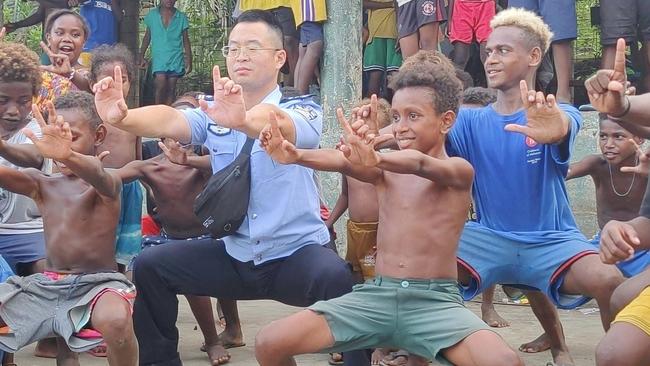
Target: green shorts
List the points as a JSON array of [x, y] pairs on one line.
[[380, 55], [423, 317]]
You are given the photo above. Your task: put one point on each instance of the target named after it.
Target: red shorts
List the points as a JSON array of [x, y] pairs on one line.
[[149, 226], [471, 20]]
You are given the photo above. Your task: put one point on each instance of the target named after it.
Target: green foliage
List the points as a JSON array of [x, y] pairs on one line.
[[14, 10]]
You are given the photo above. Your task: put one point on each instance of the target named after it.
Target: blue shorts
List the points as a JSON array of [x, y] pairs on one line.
[[632, 266], [494, 258], [19, 249], [129, 233], [310, 32], [560, 15]]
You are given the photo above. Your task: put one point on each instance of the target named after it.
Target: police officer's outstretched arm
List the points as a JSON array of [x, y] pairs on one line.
[[229, 110], [150, 121]]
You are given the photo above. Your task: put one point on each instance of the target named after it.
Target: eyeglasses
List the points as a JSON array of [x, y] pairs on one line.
[[234, 51]]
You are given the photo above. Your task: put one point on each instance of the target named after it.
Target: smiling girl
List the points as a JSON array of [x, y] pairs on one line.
[[65, 33]]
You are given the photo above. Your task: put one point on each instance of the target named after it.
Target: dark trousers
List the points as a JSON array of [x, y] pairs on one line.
[[204, 268]]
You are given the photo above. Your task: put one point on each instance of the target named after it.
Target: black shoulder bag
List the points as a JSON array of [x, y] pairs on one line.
[[223, 203]]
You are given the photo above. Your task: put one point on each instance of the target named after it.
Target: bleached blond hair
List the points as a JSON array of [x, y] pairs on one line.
[[537, 32]]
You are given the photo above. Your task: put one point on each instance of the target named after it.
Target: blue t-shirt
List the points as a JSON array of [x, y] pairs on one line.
[[100, 19], [284, 207], [519, 184]]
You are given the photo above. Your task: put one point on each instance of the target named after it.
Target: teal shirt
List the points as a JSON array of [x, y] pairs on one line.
[[167, 43]]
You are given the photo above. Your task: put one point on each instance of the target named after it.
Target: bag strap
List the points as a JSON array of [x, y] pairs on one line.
[[248, 146]]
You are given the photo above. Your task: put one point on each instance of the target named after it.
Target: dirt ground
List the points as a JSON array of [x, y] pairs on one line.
[[582, 326]]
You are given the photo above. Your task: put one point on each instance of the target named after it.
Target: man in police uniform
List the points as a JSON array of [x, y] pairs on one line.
[[278, 251]]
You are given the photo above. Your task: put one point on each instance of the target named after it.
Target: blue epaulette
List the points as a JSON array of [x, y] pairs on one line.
[[297, 98]]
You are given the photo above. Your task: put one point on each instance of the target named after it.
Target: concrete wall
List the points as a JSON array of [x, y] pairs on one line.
[[581, 190]]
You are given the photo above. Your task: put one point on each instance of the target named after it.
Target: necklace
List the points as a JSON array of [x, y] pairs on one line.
[[611, 180]]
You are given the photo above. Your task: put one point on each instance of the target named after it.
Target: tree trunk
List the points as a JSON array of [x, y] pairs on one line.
[[340, 82], [130, 36]]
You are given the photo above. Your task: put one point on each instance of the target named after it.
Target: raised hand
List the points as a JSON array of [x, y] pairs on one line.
[[56, 137], [643, 164], [547, 124], [271, 139], [109, 98], [60, 63], [617, 242], [356, 144], [228, 109], [368, 113], [174, 151], [607, 88]]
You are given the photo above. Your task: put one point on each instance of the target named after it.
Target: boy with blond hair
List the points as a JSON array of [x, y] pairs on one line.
[[520, 148]]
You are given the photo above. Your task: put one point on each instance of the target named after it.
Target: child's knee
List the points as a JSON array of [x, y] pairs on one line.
[[115, 324], [505, 356], [266, 343], [607, 354]]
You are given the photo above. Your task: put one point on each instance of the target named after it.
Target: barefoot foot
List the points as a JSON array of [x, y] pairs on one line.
[[399, 358], [492, 318], [562, 357], [46, 348], [232, 339], [378, 355], [217, 354], [541, 344]]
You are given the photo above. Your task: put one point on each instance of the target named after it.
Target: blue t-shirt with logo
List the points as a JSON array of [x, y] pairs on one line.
[[519, 185], [100, 19]]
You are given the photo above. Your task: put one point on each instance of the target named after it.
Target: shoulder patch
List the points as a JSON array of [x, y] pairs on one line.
[[306, 111], [218, 130]]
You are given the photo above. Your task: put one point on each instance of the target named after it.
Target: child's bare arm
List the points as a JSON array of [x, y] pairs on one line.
[[23, 155], [143, 48], [583, 167], [56, 143], [187, 52], [19, 181], [177, 155], [330, 160], [341, 204], [131, 171], [619, 240], [453, 172]]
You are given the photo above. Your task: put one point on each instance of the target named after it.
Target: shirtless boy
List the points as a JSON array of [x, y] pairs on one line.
[[618, 194], [627, 342], [360, 199], [415, 268], [124, 147], [176, 177], [91, 299], [520, 147]]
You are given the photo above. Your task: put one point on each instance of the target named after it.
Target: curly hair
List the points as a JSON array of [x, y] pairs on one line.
[[435, 72], [18, 63], [106, 54], [49, 23], [479, 96], [537, 33], [83, 102]]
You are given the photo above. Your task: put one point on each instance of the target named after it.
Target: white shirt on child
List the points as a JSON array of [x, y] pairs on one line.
[[18, 213]]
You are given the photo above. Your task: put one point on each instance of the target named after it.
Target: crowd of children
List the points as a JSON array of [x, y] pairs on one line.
[[72, 162]]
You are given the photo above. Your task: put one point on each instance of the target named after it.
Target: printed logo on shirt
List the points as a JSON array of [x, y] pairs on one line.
[[218, 130], [428, 8], [533, 152], [306, 111], [530, 142]]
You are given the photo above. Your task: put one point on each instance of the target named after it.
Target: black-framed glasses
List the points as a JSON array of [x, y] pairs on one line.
[[235, 51]]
